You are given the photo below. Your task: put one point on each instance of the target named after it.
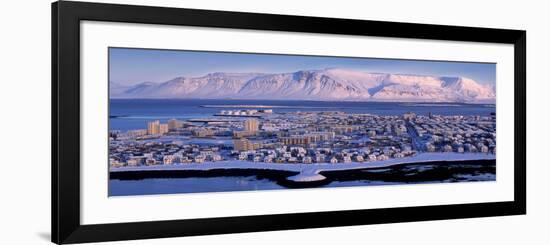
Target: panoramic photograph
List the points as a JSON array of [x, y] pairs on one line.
[[183, 121]]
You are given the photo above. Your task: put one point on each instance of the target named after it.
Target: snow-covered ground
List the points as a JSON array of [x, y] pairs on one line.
[[310, 172]]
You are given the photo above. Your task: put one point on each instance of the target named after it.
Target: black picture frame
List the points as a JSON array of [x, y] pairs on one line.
[[65, 223]]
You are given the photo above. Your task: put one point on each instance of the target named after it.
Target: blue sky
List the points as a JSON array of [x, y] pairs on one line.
[[131, 66]]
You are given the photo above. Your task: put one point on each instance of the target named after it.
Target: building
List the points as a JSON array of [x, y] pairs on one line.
[[137, 133], [216, 157], [163, 128], [343, 129], [169, 160], [371, 133], [409, 116], [245, 145], [115, 163], [241, 144], [372, 157], [398, 155], [296, 140], [150, 161], [204, 132], [251, 125], [242, 134], [346, 159], [320, 136], [320, 158], [174, 124], [382, 157], [430, 147], [200, 158], [135, 161], [484, 148], [153, 127]]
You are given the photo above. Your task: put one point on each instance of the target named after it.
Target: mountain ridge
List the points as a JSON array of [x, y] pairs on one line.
[[334, 84]]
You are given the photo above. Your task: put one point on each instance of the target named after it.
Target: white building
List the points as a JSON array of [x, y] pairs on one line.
[[216, 157], [243, 156], [398, 155], [320, 158], [430, 147], [382, 157], [199, 159], [372, 157]]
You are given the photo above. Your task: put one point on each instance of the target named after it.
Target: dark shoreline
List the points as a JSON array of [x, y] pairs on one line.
[[440, 171]]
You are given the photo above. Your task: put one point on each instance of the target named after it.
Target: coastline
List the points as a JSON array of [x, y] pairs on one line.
[[296, 175]]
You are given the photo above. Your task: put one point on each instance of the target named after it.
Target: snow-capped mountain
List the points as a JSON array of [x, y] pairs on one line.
[[324, 85]]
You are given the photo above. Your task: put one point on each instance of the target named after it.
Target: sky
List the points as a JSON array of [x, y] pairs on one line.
[[131, 66]]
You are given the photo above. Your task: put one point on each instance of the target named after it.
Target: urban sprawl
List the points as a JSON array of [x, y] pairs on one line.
[[263, 135]]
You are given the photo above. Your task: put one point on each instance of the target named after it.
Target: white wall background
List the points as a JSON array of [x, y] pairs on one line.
[[25, 104]]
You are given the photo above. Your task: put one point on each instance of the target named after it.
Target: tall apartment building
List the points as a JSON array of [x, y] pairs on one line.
[[251, 125], [163, 128], [174, 124], [153, 127]]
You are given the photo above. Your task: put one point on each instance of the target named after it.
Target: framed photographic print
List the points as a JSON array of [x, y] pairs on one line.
[[177, 122]]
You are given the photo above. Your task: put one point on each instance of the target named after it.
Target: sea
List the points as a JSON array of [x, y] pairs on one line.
[[129, 114]]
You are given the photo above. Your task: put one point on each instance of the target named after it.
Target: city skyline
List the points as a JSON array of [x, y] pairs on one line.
[[130, 66], [262, 147], [214, 121]]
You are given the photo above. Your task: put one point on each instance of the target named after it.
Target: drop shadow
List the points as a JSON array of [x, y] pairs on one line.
[[44, 236]]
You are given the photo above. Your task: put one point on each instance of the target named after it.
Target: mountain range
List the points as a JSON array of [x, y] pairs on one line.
[[332, 84]]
